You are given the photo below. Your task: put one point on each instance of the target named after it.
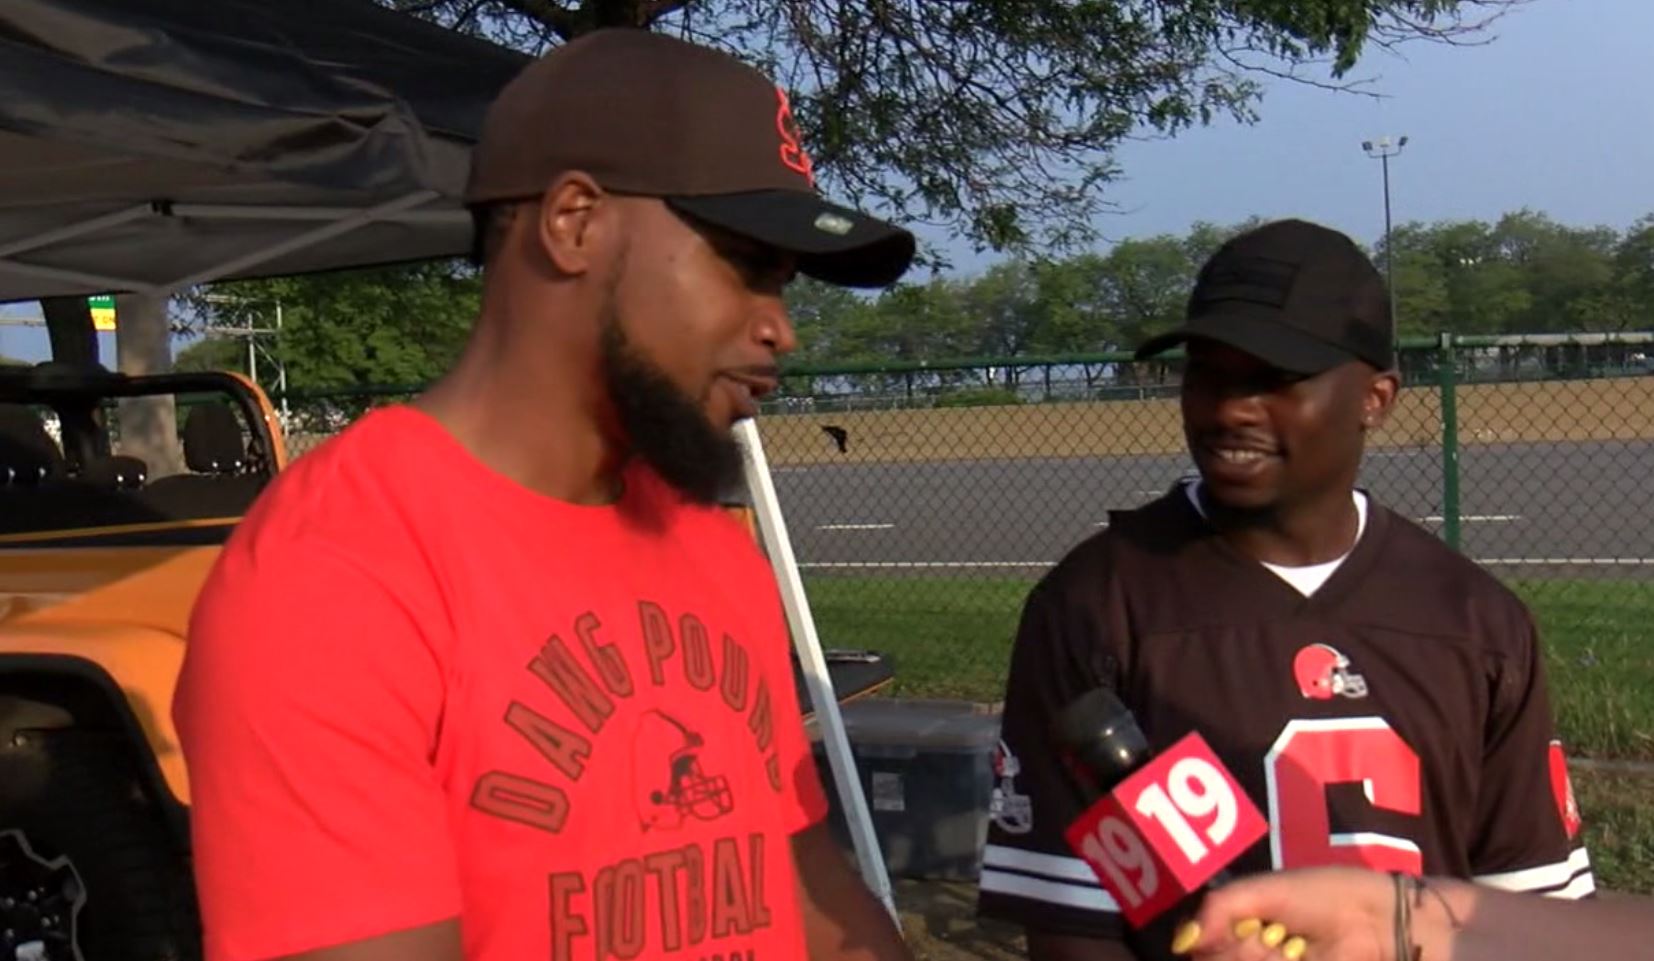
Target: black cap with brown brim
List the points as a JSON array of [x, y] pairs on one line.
[[710, 136], [1296, 295]]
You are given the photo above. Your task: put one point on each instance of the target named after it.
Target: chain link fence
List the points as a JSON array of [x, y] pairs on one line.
[[923, 500]]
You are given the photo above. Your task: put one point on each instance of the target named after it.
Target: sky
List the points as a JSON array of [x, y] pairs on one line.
[[1556, 114]]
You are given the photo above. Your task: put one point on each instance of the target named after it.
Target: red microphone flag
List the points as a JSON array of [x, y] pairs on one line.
[[1167, 829]]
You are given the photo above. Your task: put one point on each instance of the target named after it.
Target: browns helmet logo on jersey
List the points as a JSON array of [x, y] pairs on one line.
[[1323, 673], [670, 785], [1009, 808]]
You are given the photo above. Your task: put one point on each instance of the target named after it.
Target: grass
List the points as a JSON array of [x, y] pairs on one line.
[[1599, 646], [951, 638], [947, 638], [1619, 827]]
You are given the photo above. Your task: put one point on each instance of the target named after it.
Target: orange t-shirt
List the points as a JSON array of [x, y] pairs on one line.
[[415, 690]]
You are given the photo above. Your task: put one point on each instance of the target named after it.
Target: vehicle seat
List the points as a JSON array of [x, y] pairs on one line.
[[28, 455], [216, 454], [212, 441], [119, 472]]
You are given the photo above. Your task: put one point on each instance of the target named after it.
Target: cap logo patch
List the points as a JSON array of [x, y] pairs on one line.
[[1255, 279], [833, 224], [792, 150]]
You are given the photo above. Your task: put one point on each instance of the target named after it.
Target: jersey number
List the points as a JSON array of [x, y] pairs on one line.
[[1312, 754]]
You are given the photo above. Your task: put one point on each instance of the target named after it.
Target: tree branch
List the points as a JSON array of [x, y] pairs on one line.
[[564, 22]]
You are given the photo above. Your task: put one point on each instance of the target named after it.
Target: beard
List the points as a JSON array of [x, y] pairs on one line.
[[665, 426]]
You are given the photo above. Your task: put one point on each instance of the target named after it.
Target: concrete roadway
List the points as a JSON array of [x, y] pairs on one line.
[[1559, 509]]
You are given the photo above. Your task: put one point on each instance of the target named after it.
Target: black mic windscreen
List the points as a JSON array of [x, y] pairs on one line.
[[1100, 733]]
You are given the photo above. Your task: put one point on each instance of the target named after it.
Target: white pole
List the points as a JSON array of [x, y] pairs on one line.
[[281, 363], [772, 528]]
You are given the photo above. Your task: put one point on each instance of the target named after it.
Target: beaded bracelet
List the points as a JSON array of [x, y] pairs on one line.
[[1406, 948]]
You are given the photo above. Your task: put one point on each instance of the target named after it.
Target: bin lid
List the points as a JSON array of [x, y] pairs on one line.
[[934, 724]]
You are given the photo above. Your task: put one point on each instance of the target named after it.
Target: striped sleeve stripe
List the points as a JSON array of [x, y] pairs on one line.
[[1051, 892], [1565, 879], [1043, 877], [1033, 862], [1580, 887]]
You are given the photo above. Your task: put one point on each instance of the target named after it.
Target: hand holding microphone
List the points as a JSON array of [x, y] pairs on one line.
[[1167, 824]]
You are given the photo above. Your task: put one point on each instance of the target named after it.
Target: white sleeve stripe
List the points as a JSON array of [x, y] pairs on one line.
[[1050, 865], [1543, 876], [1580, 887], [1051, 892]]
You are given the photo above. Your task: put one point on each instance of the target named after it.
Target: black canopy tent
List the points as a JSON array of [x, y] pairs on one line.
[[150, 145]]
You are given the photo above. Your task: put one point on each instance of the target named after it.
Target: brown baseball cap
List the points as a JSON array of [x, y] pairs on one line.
[[713, 138]]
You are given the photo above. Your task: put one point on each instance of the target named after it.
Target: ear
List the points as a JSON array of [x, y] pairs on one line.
[[1379, 398], [570, 229]]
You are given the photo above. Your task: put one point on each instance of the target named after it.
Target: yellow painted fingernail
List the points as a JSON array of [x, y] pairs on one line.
[[1247, 927], [1273, 935], [1294, 948], [1187, 936]]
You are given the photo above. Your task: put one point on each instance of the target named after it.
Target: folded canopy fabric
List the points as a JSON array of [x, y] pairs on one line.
[[146, 145]]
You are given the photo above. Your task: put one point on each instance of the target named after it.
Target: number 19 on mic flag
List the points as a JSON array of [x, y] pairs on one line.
[[1166, 830]]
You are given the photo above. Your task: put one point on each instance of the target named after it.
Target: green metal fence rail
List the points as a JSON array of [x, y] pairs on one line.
[[925, 498]]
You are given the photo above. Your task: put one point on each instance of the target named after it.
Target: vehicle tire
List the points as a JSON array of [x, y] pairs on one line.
[[75, 798]]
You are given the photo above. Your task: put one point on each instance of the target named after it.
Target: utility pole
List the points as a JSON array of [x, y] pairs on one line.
[[1384, 148]]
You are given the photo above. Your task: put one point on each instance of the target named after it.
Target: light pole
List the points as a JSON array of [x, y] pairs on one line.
[[1384, 148]]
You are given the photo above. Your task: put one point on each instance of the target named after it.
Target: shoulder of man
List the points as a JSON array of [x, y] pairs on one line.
[[1156, 529], [351, 492], [1430, 568]]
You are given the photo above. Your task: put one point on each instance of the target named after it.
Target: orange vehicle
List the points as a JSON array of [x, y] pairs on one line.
[[99, 566]]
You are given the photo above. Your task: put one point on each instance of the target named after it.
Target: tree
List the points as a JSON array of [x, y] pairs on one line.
[[825, 317], [398, 325], [1145, 287], [211, 353], [998, 119], [1524, 274], [1634, 277]]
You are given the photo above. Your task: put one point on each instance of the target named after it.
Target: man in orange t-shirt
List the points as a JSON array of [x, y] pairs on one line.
[[489, 675]]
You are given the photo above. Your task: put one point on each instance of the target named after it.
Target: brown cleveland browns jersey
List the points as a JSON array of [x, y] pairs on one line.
[[1394, 717]]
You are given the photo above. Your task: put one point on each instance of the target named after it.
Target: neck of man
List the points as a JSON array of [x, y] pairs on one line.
[[531, 413], [1312, 531]]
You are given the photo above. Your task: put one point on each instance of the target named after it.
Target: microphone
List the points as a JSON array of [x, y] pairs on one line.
[[1167, 824]]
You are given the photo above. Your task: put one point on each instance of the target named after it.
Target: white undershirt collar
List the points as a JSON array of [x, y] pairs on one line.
[[1308, 578]]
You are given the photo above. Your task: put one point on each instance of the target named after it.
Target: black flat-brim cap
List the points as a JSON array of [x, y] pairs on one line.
[[1256, 331], [1296, 295], [834, 244]]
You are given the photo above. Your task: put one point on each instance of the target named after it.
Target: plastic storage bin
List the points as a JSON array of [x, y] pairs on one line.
[[926, 768]]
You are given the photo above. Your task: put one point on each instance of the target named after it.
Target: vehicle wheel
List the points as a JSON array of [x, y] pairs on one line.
[[82, 846]]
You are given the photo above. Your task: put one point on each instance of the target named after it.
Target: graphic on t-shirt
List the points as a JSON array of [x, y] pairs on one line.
[[668, 783], [1323, 673]]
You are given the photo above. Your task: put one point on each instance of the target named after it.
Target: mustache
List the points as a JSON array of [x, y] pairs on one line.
[[1241, 441]]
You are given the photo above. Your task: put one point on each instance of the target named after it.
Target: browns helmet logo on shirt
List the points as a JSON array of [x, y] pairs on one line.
[[1323, 673], [671, 787]]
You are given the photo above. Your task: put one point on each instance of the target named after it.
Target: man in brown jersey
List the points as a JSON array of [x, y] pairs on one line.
[[1380, 698]]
